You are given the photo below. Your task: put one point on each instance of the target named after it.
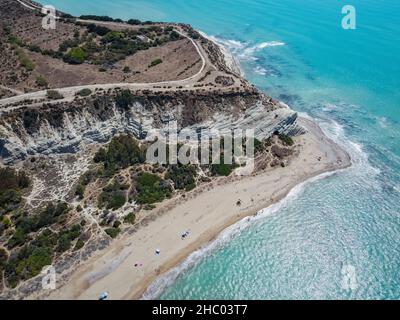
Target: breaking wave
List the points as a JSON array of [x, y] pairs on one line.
[[245, 51]]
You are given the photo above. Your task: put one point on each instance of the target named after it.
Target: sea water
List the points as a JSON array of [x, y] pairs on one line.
[[337, 236]]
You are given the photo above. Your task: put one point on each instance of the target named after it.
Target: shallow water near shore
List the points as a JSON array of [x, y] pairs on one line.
[[296, 51]]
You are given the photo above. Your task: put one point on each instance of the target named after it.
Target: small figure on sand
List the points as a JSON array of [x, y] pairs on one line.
[[185, 234], [158, 251], [103, 295]]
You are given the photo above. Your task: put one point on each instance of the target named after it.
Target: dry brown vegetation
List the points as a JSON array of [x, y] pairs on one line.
[[28, 52]]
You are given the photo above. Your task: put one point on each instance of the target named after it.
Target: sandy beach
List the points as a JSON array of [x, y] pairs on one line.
[[205, 212]]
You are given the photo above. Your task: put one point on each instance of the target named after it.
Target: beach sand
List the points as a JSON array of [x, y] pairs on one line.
[[205, 214]]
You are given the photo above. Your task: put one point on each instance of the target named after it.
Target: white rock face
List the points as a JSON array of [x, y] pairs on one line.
[[283, 120], [81, 128]]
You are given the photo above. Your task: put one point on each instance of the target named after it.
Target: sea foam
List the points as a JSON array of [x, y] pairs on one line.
[[244, 50]]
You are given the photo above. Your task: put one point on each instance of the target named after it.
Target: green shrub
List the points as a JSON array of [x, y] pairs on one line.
[[79, 245], [69, 43], [75, 55], [9, 200], [221, 169], [100, 30], [12, 183], [95, 17], [116, 223], [123, 151], [19, 238], [190, 187], [38, 258], [151, 188], [5, 221], [66, 237], [41, 81], [85, 92], [130, 218], [113, 196], [155, 62], [113, 232], [193, 34], [114, 200], [54, 95], [134, 21], [25, 224], [34, 48], [12, 179], [258, 145], [24, 60], [28, 263], [182, 175], [80, 191], [3, 258], [287, 140], [64, 243], [173, 36], [113, 35], [124, 99]]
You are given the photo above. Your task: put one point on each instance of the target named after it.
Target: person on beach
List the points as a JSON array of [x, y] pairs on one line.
[[184, 235]]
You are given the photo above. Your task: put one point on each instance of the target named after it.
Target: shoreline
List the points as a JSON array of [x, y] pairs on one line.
[[113, 268], [230, 61]]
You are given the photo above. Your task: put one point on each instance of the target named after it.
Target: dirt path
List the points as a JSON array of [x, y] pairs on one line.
[[70, 92]]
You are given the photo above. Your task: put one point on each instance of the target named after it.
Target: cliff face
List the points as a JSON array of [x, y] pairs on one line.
[[69, 127]]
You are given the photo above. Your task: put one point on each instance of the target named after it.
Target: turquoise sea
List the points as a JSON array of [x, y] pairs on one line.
[[333, 231]]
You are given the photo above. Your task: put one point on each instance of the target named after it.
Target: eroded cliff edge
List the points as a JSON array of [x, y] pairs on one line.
[[68, 127]]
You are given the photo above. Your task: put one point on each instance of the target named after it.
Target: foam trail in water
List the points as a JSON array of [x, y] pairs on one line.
[[336, 132], [244, 50], [359, 157], [260, 70]]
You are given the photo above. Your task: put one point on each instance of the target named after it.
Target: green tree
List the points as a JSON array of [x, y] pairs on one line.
[[151, 188]]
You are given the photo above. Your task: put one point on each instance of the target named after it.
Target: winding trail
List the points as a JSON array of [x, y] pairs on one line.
[[19, 92], [70, 92]]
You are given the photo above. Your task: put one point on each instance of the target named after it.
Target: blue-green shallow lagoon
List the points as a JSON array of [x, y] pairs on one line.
[[349, 80]]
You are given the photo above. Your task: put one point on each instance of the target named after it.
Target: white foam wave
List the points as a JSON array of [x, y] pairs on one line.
[[260, 70], [248, 52], [329, 107], [244, 50], [383, 123], [166, 280], [226, 51], [359, 157]]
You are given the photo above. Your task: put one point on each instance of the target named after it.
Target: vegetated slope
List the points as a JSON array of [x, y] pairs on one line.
[[77, 52]]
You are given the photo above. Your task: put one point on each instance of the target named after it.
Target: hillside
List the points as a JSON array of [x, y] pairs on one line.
[[73, 157]]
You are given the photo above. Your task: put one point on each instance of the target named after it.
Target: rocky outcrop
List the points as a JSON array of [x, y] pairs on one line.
[[68, 127]]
